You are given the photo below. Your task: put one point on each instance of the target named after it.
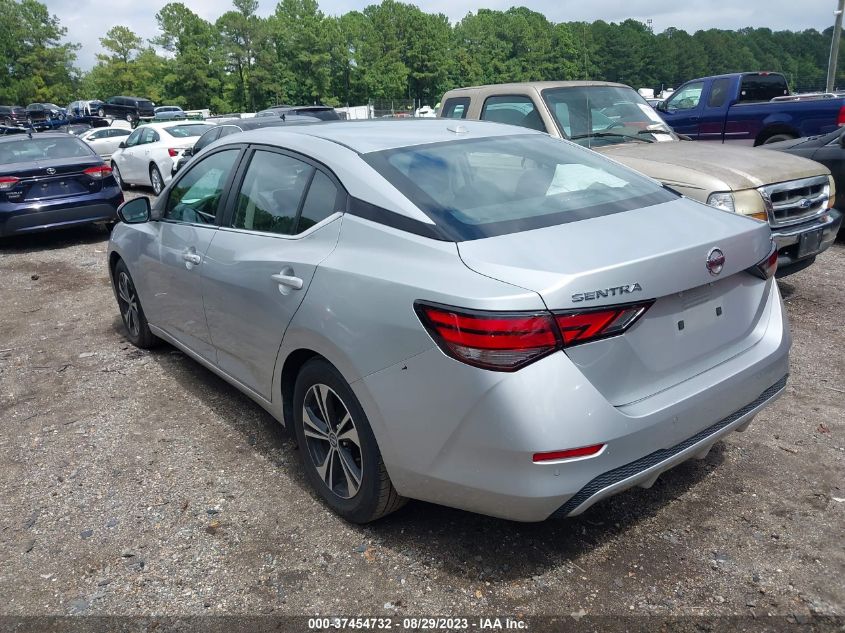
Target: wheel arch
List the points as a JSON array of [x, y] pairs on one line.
[[773, 129]]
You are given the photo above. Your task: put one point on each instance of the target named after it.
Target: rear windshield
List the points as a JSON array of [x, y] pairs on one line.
[[478, 188], [186, 131], [762, 87], [143, 103], [26, 149]]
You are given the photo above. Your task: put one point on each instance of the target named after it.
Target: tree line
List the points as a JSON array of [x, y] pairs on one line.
[[391, 50]]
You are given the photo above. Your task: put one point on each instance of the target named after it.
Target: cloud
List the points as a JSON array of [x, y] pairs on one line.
[[88, 20]]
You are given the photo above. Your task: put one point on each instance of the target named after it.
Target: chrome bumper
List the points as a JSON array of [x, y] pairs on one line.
[[788, 241]]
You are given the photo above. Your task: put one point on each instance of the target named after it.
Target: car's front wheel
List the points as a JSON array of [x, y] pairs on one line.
[[137, 329], [101, 113], [340, 455], [156, 180]]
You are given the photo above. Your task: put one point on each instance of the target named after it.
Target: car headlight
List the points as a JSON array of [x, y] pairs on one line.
[[722, 200]]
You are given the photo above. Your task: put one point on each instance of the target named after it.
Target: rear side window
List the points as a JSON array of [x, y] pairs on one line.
[[719, 92], [196, 196], [512, 110], [320, 202], [455, 108], [478, 188], [271, 193], [207, 139], [187, 131], [762, 87]]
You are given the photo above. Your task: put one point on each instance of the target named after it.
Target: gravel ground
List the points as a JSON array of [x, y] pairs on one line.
[[137, 482]]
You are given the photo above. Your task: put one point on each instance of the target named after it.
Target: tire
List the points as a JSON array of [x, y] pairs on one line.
[[328, 447], [101, 113], [120, 182], [131, 313], [130, 117], [156, 180], [776, 138], [7, 122]]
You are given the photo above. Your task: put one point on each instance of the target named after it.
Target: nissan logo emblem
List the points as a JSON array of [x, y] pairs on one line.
[[715, 261], [51, 171]]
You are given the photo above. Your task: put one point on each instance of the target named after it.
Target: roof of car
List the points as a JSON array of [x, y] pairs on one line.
[[377, 135], [539, 85], [18, 137]]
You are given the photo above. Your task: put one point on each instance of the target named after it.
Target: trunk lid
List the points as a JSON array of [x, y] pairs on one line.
[[653, 253], [47, 179]]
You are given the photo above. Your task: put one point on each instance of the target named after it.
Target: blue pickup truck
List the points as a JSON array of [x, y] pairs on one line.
[[749, 108]]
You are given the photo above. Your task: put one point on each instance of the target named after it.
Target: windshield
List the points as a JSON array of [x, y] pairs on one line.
[[484, 187], [593, 116], [186, 131], [25, 150]]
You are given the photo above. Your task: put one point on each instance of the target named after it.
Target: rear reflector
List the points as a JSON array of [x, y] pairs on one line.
[[766, 268], [570, 453], [8, 182], [507, 341], [98, 173]]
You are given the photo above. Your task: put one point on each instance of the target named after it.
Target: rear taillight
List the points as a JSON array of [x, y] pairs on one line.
[[589, 325], [172, 152], [8, 182], [507, 341], [840, 119], [766, 268], [98, 173]]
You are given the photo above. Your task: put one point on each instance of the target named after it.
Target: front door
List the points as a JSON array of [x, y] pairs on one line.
[[284, 221], [682, 110], [186, 228]]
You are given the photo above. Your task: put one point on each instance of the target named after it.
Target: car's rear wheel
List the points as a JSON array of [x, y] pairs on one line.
[[101, 113], [156, 180], [120, 182], [7, 122], [137, 329], [777, 138], [340, 455], [130, 117]]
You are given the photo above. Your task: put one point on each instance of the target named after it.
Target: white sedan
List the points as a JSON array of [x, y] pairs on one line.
[[146, 157], [105, 140]]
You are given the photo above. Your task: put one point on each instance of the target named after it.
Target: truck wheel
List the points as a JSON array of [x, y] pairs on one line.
[[101, 113], [776, 138]]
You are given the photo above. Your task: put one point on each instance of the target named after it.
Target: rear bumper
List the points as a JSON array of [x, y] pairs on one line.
[[788, 241], [22, 218], [465, 437]]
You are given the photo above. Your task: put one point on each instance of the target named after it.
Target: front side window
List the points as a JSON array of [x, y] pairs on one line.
[[271, 193], [197, 195], [134, 138], [206, 139], [687, 98], [512, 110], [478, 188]]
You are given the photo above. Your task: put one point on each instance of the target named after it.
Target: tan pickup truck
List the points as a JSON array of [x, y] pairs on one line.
[[794, 195]]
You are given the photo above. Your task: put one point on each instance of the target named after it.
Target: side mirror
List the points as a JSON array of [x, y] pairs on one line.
[[136, 211], [661, 105], [122, 145]]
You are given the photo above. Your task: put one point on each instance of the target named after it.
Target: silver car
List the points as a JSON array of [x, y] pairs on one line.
[[468, 313]]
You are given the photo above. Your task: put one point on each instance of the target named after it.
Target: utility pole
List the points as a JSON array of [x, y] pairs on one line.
[[834, 46]]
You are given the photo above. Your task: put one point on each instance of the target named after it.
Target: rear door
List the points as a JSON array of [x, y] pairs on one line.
[[711, 126], [186, 228], [284, 220]]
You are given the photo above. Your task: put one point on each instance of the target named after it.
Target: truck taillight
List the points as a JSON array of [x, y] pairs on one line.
[[840, 119], [507, 341]]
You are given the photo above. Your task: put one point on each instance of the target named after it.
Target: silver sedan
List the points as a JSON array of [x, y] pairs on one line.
[[467, 313]]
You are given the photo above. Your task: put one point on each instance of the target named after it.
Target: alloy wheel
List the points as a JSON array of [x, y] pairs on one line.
[[128, 301], [155, 179], [332, 441]]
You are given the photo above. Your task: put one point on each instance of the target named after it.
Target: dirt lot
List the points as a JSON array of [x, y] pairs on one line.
[[139, 483]]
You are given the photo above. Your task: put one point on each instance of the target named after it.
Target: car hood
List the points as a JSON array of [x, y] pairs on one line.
[[701, 164]]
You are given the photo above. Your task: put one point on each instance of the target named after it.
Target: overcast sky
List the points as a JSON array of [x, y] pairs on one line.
[[88, 20]]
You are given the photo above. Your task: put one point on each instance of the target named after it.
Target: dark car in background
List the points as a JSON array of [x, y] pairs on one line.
[[12, 115], [130, 108], [42, 112], [323, 113], [233, 127], [53, 180]]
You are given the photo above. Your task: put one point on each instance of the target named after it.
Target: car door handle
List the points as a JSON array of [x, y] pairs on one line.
[[288, 280], [192, 258]]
